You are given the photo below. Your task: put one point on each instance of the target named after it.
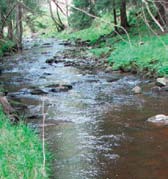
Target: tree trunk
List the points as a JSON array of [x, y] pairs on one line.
[[123, 14], [10, 30], [61, 25], [1, 33], [19, 26], [1, 26], [115, 16], [162, 16], [67, 11]]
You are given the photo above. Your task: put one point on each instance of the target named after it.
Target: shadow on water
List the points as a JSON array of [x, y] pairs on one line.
[[101, 129]]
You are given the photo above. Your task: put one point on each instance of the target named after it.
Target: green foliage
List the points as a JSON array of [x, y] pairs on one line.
[[99, 27], [148, 53], [6, 45], [20, 152], [79, 20], [101, 52]]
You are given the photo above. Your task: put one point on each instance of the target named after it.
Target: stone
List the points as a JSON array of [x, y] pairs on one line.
[[160, 118], [38, 92], [44, 53], [112, 79], [43, 68], [61, 88], [156, 89], [47, 74], [65, 43], [137, 90], [50, 61], [108, 69], [53, 86], [47, 43], [161, 82], [165, 88]]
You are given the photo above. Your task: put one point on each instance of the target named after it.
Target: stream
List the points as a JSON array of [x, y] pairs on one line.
[[96, 130]]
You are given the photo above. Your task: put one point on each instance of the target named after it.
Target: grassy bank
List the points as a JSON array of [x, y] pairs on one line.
[[145, 52], [20, 152]]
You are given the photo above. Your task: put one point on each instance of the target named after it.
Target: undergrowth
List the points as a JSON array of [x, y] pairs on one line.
[[147, 53], [99, 27], [5, 45]]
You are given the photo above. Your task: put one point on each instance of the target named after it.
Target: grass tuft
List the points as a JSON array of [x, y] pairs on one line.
[[20, 152]]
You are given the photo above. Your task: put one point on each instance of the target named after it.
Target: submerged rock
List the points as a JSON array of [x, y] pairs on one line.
[[137, 90], [50, 61], [108, 70], [61, 88], [165, 88], [47, 74], [156, 89], [159, 90], [47, 43], [160, 118], [38, 91], [113, 79]]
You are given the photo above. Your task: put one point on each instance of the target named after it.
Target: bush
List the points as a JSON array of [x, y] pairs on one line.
[[6, 45]]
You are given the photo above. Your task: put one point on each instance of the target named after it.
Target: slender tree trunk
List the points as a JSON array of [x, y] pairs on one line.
[[52, 15], [67, 11], [19, 27], [123, 14], [1, 33], [30, 24], [162, 16], [61, 25], [115, 16], [10, 30], [1, 27], [58, 23]]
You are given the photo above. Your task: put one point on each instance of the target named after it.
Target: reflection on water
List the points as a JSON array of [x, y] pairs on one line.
[[102, 130]]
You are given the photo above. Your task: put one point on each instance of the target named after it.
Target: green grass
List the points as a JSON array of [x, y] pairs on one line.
[[93, 33], [101, 52], [147, 53], [20, 152]]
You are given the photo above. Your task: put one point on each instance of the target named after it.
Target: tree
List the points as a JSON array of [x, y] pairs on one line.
[[162, 15], [123, 14], [56, 19], [12, 14], [78, 19]]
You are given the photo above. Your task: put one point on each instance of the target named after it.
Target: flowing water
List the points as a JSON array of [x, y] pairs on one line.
[[101, 129]]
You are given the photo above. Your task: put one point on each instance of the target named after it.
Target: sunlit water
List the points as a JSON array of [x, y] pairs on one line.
[[102, 130]]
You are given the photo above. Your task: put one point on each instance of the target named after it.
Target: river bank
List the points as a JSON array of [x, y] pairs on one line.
[[142, 52], [20, 151]]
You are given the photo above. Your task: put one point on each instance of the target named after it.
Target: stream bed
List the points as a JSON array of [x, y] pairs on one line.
[[95, 127]]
